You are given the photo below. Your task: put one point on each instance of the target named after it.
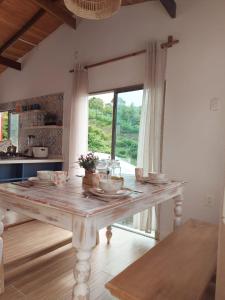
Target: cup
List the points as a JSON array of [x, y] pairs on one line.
[[60, 177], [139, 172], [45, 175], [110, 186]]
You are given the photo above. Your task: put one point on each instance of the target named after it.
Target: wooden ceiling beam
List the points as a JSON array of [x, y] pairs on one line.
[[21, 31], [171, 7], [57, 11], [10, 63]]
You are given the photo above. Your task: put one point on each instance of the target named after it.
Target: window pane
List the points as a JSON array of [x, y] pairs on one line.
[[4, 126], [127, 128], [14, 129], [100, 124]]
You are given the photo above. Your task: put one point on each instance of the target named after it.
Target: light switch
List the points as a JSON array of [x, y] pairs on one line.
[[214, 104], [209, 201]]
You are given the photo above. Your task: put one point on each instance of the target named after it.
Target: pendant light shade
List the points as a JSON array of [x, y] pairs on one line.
[[93, 9]]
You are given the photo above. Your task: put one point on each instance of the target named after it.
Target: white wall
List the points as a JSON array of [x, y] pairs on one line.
[[194, 135]]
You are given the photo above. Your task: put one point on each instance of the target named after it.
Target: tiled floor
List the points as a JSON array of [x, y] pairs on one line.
[[51, 277]]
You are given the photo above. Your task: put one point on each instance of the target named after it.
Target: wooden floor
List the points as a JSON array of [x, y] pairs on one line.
[[50, 277]]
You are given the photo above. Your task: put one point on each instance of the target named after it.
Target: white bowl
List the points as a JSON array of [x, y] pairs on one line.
[[157, 176], [110, 186], [45, 175]]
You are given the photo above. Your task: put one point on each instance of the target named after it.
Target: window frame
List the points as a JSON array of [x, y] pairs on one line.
[[117, 91]]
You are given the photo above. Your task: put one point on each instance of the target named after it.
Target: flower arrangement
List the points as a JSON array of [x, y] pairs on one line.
[[88, 162]]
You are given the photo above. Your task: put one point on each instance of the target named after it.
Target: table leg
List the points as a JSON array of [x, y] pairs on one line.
[[82, 271], [2, 278], [84, 239], [158, 221], [108, 234], [178, 201]]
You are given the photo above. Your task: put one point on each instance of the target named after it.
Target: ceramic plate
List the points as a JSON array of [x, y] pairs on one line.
[[118, 195], [36, 181], [156, 181]]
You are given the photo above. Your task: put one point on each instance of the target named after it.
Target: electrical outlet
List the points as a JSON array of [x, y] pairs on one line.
[[214, 104], [209, 201], [76, 55]]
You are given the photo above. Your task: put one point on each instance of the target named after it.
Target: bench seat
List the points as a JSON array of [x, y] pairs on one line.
[[180, 267]]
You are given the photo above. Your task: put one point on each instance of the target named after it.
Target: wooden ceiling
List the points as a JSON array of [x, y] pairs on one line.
[[25, 23]]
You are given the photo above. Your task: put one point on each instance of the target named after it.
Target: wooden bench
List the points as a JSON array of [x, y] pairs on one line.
[[220, 277], [180, 267]]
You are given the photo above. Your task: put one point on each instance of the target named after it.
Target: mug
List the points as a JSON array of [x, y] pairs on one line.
[[60, 177], [45, 175], [139, 172]]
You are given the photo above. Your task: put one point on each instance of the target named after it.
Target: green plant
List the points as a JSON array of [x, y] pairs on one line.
[[127, 128], [88, 162], [98, 140], [5, 125]]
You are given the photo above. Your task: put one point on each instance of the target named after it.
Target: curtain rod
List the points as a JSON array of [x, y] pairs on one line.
[[170, 42]]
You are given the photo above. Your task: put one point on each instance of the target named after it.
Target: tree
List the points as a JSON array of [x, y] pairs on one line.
[[5, 125], [98, 141], [100, 128]]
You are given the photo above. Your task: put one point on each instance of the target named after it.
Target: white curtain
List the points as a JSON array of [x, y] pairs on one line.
[[150, 135], [78, 118]]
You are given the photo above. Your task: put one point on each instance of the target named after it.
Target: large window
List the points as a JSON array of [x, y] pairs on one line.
[[114, 123], [114, 120]]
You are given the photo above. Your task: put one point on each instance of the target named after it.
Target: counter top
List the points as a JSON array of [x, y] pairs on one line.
[[31, 160]]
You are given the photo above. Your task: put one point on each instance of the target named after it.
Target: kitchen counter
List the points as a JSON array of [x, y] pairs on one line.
[[23, 160], [21, 168]]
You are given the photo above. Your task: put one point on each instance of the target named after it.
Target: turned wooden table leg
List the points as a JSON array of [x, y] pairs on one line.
[[109, 234], [2, 278], [178, 201], [84, 240], [82, 271]]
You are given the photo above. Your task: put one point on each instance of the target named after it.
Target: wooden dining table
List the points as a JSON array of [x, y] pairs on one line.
[[73, 208]]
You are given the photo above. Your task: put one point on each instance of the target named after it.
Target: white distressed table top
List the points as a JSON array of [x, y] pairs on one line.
[[71, 197]]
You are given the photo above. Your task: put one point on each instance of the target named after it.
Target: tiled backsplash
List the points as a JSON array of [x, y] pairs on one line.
[[48, 137]]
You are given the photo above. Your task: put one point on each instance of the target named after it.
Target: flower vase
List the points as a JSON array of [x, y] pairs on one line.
[[91, 179]]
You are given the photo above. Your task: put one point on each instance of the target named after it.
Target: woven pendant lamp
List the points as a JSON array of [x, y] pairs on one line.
[[93, 9]]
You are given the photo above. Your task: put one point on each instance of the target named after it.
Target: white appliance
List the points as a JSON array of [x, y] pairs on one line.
[[40, 152]]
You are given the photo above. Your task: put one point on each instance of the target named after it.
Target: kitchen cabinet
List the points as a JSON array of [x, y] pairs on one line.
[[18, 171]]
